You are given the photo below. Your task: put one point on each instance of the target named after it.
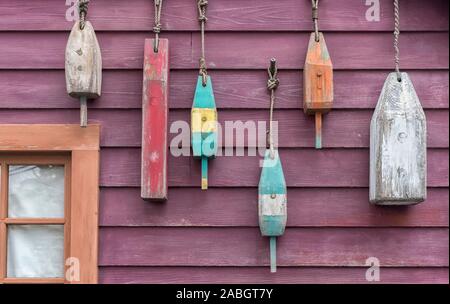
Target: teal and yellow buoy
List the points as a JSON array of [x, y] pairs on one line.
[[272, 190], [204, 112], [204, 125]]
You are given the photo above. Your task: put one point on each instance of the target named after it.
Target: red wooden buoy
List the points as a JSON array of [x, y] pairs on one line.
[[155, 109]]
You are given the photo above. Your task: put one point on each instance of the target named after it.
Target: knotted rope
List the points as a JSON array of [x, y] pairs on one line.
[[315, 18], [202, 5], [82, 11], [157, 26], [272, 85]]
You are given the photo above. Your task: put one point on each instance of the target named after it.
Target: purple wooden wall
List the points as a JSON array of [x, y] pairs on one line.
[[212, 237]]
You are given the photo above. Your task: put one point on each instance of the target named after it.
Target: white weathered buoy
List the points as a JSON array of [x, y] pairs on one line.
[[83, 66], [398, 150]]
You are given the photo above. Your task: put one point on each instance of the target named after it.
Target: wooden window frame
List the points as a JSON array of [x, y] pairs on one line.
[[8, 159], [82, 146]]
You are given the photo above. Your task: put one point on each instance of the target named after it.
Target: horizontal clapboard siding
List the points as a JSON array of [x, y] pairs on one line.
[[213, 236], [229, 15], [349, 129], [298, 247], [258, 275], [41, 89], [302, 168], [226, 50], [238, 207]]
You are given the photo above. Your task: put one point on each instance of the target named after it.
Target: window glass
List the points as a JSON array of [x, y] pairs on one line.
[[36, 191], [35, 251]]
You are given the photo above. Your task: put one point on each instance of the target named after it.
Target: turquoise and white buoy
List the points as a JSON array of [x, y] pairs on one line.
[[272, 190]]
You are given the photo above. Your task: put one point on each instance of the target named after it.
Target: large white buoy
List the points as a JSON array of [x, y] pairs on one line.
[[398, 149]]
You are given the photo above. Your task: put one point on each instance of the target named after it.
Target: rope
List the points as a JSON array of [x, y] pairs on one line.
[[157, 27], [202, 5], [396, 39], [82, 11], [315, 18], [272, 85]]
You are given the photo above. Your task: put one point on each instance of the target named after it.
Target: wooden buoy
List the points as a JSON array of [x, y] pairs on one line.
[[83, 64], [155, 100], [398, 145], [204, 113], [272, 202], [272, 190], [317, 83], [155, 111], [204, 126]]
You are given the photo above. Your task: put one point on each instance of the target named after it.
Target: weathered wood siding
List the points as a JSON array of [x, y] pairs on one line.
[[213, 236]]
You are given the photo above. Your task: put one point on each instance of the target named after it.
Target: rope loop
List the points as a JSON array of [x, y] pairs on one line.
[[157, 26], [82, 11], [272, 85], [315, 9], [273, 82], [315, 18], [202, 5]]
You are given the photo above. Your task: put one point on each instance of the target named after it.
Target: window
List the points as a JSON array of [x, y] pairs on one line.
[[34, 199], [48, 232]]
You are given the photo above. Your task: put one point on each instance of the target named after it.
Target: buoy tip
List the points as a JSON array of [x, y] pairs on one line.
[[273, 254], [204, 184], [318, 130], [204, 173], [318, 141]]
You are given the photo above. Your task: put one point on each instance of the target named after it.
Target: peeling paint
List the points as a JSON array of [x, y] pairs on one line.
[[398, 145]]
